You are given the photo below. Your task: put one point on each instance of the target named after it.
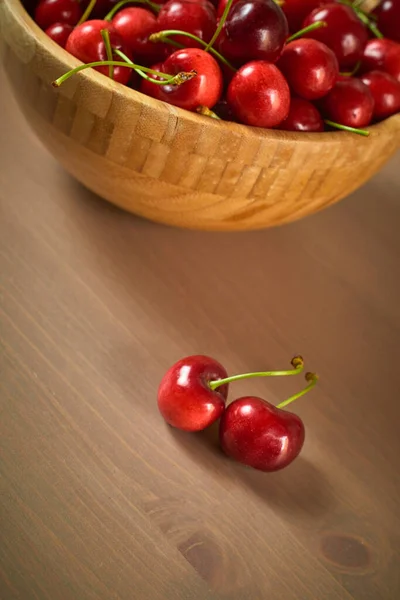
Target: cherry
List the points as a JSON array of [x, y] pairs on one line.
[[255, 433], [49, 12], [297, 10], [86, 43], [253, 30], [185, 398], [203, 90], [59, 33], [134, 25], [310, 67], [303, 116], [344, 33], [349, 103], [196, 17], [385, 91], [382, 55], [388, 15], [259, 95]]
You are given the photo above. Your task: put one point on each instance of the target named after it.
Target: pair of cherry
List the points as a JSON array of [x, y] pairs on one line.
[[192, 396]]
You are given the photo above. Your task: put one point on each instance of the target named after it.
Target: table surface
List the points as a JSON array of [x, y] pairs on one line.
[[99, 498]]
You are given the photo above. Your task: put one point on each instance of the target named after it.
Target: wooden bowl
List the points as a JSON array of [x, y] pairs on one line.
[[173, 166]]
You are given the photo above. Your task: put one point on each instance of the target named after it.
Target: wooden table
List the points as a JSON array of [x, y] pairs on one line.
[[99, 498]]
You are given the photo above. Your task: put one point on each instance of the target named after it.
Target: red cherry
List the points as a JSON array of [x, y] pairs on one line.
[[57, 11], [382, 55], [259, 95], [253, 30], [303, 116], [196, 17], [260, 435], [310, 67], [185, 399], [297, 10], [345, 34], [349, 103], [388, 15], [86, 43], [134, 25], [59, 33], [385, 91], [203, 90]]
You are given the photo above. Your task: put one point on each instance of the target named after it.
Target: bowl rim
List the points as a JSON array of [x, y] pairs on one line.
[[98, 80]]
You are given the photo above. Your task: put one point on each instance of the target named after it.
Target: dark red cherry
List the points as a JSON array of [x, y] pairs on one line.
[[303, 116], [253, 30], [259, 95], [345, 34], [382, 55], [388, 15], [194, 16], [310, 68], [203, 90], [85, 42], [134, 25], [59, 33], [224, 111], [349, 103], [297, 10], [385, 91], [49, 12]]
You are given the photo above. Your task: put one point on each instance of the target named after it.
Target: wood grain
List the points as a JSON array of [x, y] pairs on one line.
[[99, 499], [173, 166]]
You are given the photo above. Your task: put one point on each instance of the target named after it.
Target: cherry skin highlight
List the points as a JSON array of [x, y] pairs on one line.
[[86, 43], [310, 67], [259, 95], [382, 55], [134, 25], [260, 435], [253, 30], [303, 116], [205, 89], [385, 91], [349, 103], [198, 18], [297, 10], [49, 12], [185, 399], [59, 33], [344, 33]]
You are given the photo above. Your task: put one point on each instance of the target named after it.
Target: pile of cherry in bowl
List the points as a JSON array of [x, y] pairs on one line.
[[295, 65]]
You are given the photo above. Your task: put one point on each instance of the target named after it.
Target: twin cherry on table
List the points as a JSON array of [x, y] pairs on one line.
[[192, 396]]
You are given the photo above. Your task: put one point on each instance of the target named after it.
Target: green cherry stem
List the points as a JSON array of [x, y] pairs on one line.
[[353, 72], [363, 132], [177, 79], [364, 17], [168, 79], [105, 34], [109, 16], [312, 27], [312, 379], [220, 25], [87, 12], [297, 364], [164, 36], [205, 111]]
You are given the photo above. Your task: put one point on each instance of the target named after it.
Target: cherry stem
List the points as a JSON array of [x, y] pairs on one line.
[[177, 79], [163, 36], [220, 25], [312, 27], [353, 72], [363, 16], [105, 34], [168, 78], [297, 363], [87, 12], [312, 379], [204, 110], [363, 132], [109, 16]]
